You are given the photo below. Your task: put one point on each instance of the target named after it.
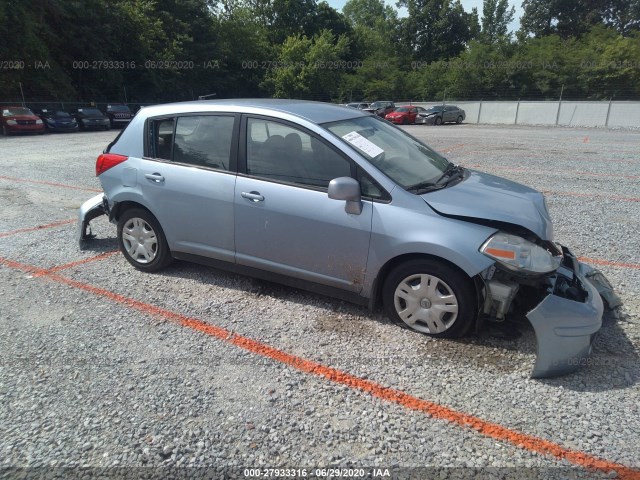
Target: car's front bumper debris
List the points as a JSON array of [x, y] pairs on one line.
[[92, 208], [566, 320]]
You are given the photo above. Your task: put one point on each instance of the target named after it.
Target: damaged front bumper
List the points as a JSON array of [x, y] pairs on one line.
[[92, 208], [566, 320]]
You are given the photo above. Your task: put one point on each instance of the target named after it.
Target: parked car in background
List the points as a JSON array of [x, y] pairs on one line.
[[20, 120], [343, 203], [403, 115], [119, 115], [58, 121], [358, 105], [90, 118], [381, 108], [439, 114]]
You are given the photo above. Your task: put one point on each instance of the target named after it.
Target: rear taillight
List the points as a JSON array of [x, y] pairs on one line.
[[107, 161]]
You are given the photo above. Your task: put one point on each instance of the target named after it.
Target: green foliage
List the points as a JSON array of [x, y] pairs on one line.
[[306, 49], [308, 67], [496, 17]]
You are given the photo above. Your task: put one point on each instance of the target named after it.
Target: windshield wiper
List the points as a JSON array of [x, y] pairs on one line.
[[452, 172], [424, 187]]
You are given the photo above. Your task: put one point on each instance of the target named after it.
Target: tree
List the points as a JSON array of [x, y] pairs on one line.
[[496, 17], [308, 67], [437, 29], [571, 18], [623, 15]]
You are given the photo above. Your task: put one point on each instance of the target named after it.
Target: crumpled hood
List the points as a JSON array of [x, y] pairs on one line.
[[494, 198]]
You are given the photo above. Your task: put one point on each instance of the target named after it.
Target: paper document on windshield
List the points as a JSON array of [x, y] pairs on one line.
[[361, 143]]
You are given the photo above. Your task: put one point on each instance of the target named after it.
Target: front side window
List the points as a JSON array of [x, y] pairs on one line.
[[280, 152]]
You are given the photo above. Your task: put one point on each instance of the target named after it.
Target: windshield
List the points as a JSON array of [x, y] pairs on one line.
[[60, 114], [90, 111], [434, 109], [402, 109], [9, 112], [118, 108], [401, 157]]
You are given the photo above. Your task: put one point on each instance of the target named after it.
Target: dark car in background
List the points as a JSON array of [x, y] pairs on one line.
[[358, 105], [20, 120], [439, 114], [119, 115], [58, 121], [90, 118], [381, 108]]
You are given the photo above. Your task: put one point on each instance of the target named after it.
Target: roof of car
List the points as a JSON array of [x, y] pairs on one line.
[[316, 112]]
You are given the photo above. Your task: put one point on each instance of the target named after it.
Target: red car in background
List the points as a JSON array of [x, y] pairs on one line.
[[20, 120], [404, 115]]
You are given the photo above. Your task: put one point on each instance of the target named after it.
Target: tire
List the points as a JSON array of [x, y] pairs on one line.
[[5, 132], [405, 121], [438, 120], [459, 120], [136, 224], [430, 297]]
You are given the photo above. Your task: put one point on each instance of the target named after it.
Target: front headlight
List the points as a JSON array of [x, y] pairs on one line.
[[38, 122], [519, 254], [11, 122]]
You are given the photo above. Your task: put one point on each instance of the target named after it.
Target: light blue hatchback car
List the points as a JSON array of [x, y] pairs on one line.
[[343, 203]]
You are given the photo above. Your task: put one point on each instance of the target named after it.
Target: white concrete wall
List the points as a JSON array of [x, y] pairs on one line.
[[583, 114], [537, 113], [624, 114], [571, 113]]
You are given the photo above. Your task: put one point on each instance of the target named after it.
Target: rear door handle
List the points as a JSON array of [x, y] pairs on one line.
[[253, 196], [155, 177]]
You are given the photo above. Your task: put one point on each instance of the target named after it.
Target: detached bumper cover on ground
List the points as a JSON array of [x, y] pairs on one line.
[[565, 328]]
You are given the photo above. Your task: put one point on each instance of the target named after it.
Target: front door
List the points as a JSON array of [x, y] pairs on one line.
[[284, 220]]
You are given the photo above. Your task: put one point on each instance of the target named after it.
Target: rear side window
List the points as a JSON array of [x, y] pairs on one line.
[[202, 140], [162, 138]]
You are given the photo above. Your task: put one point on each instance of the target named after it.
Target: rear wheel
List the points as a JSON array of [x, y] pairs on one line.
[[142, 240], [430, 297]]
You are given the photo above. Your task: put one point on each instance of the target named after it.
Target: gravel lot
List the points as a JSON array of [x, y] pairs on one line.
[[87, 380]]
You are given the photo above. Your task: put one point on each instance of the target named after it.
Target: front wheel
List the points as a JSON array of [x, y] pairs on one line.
[[142, 240], [459, 120], [430, 297], [438, 120]]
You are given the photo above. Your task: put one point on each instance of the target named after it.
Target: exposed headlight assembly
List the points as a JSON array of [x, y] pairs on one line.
[[520, 255]]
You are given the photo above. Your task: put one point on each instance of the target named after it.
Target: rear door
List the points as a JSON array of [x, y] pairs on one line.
[[284, 220], [188, 177]]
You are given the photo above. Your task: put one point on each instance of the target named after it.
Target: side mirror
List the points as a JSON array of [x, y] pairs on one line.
[[346, 188]]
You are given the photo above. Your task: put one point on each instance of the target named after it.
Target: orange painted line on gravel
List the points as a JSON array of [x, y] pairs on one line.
[[596, 261], [432, 409], [39, 227], [84, 261], [50, 184]]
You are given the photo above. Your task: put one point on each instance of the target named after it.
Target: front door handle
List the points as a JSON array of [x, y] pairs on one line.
[[155, 177], [253, 196]]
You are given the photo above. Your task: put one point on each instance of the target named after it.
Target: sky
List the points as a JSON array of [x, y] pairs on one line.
[[467, 4]]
